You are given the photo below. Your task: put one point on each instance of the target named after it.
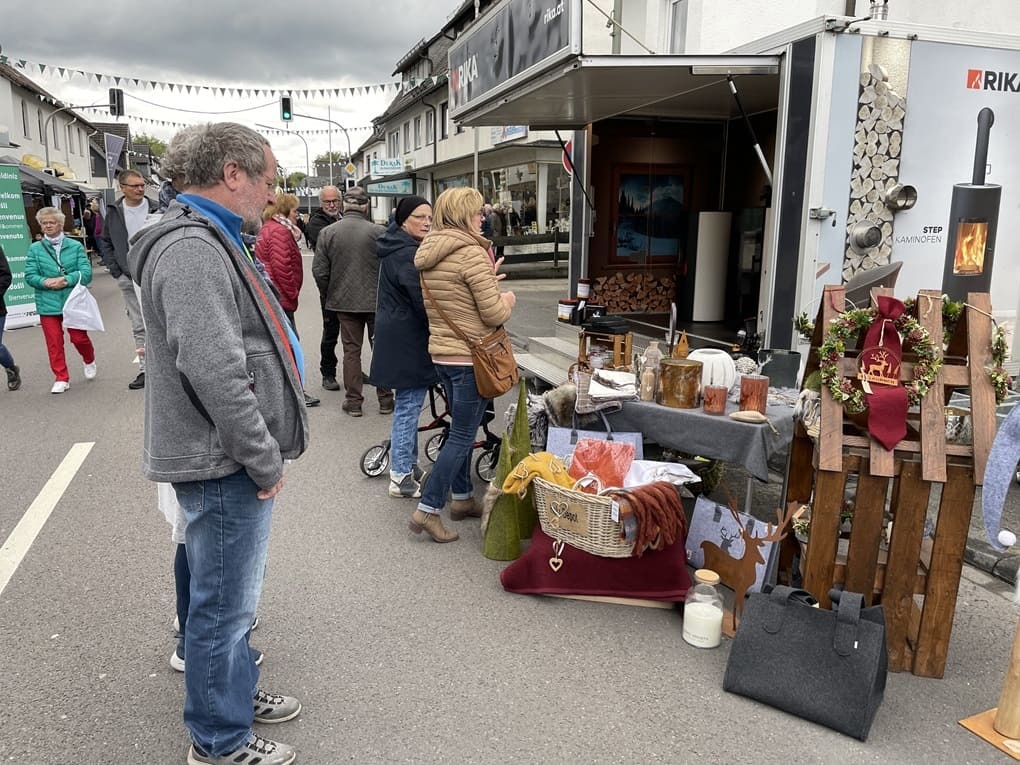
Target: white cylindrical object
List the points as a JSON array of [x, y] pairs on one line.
[[1007, 538], [703, 624]]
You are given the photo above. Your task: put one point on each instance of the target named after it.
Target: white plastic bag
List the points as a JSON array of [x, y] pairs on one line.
[[81, 311]]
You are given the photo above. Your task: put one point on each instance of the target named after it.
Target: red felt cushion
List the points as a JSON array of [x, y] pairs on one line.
[[656, 575]]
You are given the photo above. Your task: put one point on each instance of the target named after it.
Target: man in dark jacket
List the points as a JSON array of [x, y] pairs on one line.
[[346, 271], [328, 212], [124, 219]]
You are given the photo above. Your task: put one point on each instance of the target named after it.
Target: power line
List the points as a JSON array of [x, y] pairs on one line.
[[199, 111]]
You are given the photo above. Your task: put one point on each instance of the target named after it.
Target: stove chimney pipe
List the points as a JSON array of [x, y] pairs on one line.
[[985, 120], [879, 10]]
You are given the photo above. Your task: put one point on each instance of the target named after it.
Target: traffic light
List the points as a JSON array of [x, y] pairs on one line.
[[116, 102], [285, 111]]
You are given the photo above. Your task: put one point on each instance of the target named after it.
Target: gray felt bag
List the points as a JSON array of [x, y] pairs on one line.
[[825, 666]]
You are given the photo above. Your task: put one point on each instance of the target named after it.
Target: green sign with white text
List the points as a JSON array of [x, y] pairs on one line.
[[15, 239]]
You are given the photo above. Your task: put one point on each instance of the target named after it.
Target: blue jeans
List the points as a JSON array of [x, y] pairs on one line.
[[6, 360], [452, 472], [404, 433], [226, 541]]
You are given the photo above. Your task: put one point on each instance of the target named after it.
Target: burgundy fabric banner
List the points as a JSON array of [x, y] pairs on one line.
[[879, 363]]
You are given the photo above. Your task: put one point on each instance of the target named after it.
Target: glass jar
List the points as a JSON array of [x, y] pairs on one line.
[[649, 378], [703, 611]]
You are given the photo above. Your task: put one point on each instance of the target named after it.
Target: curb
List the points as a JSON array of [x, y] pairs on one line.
[[1002, 565]]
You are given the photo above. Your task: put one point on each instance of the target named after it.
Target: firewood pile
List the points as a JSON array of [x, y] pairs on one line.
[[634, 292], [878, 138]]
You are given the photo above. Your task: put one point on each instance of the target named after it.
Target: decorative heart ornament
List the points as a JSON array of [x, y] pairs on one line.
[[556, 564]]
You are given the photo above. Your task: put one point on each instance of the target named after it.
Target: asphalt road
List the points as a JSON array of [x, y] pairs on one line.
[[401, 650]]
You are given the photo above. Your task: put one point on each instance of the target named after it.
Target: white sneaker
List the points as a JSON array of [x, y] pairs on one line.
[[90, 371], [60, 386]]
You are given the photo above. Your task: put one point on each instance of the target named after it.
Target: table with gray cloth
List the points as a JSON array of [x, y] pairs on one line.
[[714, 436]]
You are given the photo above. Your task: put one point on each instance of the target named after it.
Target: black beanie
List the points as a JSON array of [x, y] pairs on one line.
[[406, 206]]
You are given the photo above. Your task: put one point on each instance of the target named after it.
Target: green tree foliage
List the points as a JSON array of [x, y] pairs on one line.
[[337, 156], [156, 146], [294, 179]]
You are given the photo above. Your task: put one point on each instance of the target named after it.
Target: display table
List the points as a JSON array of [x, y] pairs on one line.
[[713, 436]]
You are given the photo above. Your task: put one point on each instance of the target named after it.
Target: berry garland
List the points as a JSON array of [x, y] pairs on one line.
[[845, 327]]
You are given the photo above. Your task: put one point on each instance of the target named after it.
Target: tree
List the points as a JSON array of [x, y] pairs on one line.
[[295, 179], [326, 157], [156, 146]]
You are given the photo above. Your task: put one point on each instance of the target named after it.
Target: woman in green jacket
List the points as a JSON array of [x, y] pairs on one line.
[[54, 265]]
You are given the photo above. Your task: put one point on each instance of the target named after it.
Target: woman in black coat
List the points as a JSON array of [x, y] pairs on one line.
[[400, 352]]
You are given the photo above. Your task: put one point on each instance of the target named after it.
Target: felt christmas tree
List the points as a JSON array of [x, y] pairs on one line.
[[513, 518]]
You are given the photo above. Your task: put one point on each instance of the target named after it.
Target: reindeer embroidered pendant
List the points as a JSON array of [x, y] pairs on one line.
[[879, 372]]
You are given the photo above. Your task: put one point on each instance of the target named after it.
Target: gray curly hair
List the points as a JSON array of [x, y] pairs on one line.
[[198, 153]]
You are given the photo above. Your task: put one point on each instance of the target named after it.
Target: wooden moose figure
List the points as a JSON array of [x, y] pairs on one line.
[[739, 573]]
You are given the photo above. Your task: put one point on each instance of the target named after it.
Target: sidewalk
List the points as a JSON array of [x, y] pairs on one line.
[[535, 315]]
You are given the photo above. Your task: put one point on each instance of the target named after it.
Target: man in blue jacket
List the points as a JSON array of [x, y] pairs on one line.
[[224, 409], [124, 219]]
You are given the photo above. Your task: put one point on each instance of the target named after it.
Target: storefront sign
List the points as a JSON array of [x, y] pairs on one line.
[[15, 239], [520, 36], [508, 133], [402, 188], [387, 166]]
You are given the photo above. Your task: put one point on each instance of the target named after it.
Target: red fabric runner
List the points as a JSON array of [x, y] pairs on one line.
[[887, 404]]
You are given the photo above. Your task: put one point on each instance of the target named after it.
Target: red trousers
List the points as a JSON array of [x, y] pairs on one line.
[[53, 331]]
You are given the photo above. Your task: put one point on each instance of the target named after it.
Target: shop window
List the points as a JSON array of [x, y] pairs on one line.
[[430, 127], [417, 132], [444, 120], [26, 128], [649, 218]]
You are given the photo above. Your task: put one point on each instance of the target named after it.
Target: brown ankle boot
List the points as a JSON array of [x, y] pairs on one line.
[[432, 525], [464, 508]]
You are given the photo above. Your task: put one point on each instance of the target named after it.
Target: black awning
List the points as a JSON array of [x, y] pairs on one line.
[[587, 89], [37, 182]]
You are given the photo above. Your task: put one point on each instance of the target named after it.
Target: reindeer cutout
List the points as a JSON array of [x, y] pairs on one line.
[[740, 573]]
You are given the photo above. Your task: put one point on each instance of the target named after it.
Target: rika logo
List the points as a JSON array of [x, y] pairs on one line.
[[1003, 82], [462, 76], [552, 13]]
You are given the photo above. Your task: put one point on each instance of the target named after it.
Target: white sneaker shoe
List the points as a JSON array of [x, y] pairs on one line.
[[90, 371], [60, 386]]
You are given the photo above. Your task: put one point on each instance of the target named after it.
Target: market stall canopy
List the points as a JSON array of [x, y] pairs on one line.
[[37, 182], [586, 89]]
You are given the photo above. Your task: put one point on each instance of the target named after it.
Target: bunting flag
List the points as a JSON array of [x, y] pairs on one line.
[[117, 80], [170, 123]]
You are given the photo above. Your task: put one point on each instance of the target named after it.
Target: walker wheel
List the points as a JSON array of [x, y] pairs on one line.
[[435, 444], [485, 464], [375, 460]]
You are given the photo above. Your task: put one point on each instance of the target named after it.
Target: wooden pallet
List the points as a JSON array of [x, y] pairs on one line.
[[918, 608]]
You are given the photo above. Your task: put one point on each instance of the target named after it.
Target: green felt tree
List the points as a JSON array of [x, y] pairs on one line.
[[513, 518]]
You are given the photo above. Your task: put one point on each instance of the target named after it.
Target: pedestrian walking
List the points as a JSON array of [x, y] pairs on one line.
[[6, 359], [346, 271], [400, 357], [54, 265]]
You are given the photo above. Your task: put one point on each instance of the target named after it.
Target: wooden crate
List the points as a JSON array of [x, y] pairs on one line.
[[619, 344], [917, 582]]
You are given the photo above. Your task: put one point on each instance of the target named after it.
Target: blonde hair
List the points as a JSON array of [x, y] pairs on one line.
[[283, 205], [456, 208], [50, 212]]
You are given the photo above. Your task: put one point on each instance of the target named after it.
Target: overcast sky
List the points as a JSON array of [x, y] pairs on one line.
[[226, 43]]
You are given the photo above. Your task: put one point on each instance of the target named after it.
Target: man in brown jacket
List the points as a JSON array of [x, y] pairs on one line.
[[346, 271]]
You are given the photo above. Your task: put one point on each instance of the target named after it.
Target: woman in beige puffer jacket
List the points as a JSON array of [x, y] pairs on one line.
[[458, 271]]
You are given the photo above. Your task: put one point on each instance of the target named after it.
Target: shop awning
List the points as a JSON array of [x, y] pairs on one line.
[[38, 182], [587, 89]]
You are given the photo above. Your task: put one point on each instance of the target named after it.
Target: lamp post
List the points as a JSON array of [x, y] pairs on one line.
[[308, 167], [331, 122], [46, 124]]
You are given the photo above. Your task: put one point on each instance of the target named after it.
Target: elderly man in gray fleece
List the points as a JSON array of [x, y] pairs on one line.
[[224, 409]]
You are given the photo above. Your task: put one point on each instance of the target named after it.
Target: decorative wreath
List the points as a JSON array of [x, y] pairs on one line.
[[845, 326]]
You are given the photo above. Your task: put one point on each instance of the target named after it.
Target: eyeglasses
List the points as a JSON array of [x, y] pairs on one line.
[[424, 217], [132, 185], [331, 201]]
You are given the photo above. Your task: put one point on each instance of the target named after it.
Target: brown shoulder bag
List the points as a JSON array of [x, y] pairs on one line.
[[492, 356]]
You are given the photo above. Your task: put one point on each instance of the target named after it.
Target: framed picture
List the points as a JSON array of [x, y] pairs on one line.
[[649, 213]]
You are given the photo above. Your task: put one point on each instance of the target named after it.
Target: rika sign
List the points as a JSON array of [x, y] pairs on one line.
[[519, 36]]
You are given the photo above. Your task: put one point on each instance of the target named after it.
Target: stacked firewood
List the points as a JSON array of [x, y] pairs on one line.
[[878, 139], [633, 292]]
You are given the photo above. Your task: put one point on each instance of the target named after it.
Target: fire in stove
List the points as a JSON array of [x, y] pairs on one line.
[[971, 238]]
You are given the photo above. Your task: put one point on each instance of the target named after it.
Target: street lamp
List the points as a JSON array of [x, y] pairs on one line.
[[46, 124], [308, 167], [331, 122]]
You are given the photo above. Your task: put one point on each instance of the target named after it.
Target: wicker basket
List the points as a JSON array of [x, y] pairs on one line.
[[581, 520]]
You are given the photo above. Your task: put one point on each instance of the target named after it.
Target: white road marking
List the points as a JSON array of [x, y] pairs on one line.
[[18, 543]]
